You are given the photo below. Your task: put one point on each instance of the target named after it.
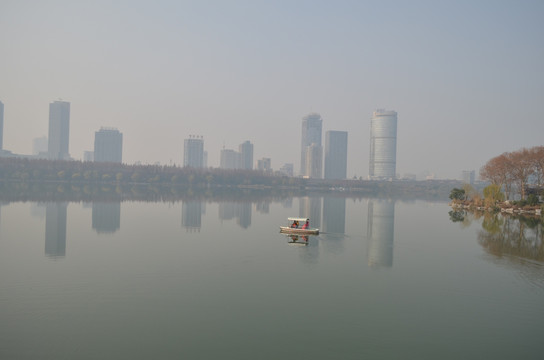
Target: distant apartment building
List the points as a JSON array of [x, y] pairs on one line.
[[39, 145], [193, 152], [383, 145], [246, 155], [336, 154], [88, 156], [311, 134], [287, 169], [230, 159], [1, 125], [468, 176], [59, 130], [108, 145], [314, 161], [264, 164]]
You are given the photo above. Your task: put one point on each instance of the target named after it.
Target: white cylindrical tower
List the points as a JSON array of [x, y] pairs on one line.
[[383, 145]]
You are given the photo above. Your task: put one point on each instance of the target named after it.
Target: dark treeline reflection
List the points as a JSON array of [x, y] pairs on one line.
[[508, 235]]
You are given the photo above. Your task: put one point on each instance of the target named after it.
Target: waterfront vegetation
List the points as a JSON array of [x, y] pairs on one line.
[[516, 174]]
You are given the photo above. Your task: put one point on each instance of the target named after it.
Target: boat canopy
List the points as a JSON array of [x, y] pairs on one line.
[[298, 219]]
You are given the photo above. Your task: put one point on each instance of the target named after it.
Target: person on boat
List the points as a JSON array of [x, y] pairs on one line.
[[295, 225], [306, 224]]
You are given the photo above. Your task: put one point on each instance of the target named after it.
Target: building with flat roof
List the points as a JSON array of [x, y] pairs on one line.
[[336, 154], [108, 145], [193, 151], [59, 130], [246, 155]]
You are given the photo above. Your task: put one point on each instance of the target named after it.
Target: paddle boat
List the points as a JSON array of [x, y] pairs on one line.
[[298, 226]]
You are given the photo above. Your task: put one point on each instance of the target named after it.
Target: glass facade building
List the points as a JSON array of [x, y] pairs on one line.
[[336, 154], [59, 130], [108, 145], [383, 145], [311, 134], [193, 152]]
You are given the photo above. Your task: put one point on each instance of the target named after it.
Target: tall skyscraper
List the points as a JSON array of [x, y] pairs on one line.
[[246, 151], [311, 134], [108, 145], [59, 130], [336, 154], [383, 145], [1, 125], [193, 151]]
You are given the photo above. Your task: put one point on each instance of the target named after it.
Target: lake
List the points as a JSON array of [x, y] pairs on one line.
[[385, 279]]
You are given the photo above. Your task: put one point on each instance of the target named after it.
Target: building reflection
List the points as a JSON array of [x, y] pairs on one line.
[[55, 229], [334, 215], [241, 211], [106, 217], [310, 207], [380, 232], [263, 207], [334, 223], [191, 215]]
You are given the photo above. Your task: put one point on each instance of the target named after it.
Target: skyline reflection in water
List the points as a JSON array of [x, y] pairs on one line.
[[212, 289]]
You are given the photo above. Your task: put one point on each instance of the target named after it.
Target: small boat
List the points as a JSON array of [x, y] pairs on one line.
[[290, 229]]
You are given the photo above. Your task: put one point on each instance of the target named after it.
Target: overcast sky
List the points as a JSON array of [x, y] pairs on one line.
[[466, 77]]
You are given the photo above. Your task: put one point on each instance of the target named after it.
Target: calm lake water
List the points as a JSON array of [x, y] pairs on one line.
[[216, 280]]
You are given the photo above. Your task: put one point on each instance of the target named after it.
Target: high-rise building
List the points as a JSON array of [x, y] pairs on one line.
[[1, 125], [383, 145], [229, 159], [108, 145], [314, 161], [311, 134], [59, 130], [246, 154], [264, 164], [193, 151], [468, 176], [336, 154]]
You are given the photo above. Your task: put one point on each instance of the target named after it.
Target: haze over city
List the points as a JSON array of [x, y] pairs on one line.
[[466, 78]]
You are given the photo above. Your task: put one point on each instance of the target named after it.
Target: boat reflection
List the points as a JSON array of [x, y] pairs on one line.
[[294, 239]]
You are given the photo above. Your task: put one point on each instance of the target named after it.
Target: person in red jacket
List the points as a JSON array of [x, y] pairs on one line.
[[306, 224]]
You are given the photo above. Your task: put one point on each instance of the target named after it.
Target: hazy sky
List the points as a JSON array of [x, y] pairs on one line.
[[466, 77]]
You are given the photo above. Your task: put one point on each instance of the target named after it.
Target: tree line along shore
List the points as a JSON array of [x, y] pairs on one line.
[[516, 184], [31, 178]]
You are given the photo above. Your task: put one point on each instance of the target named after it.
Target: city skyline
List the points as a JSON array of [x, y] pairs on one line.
[[457, 72]]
